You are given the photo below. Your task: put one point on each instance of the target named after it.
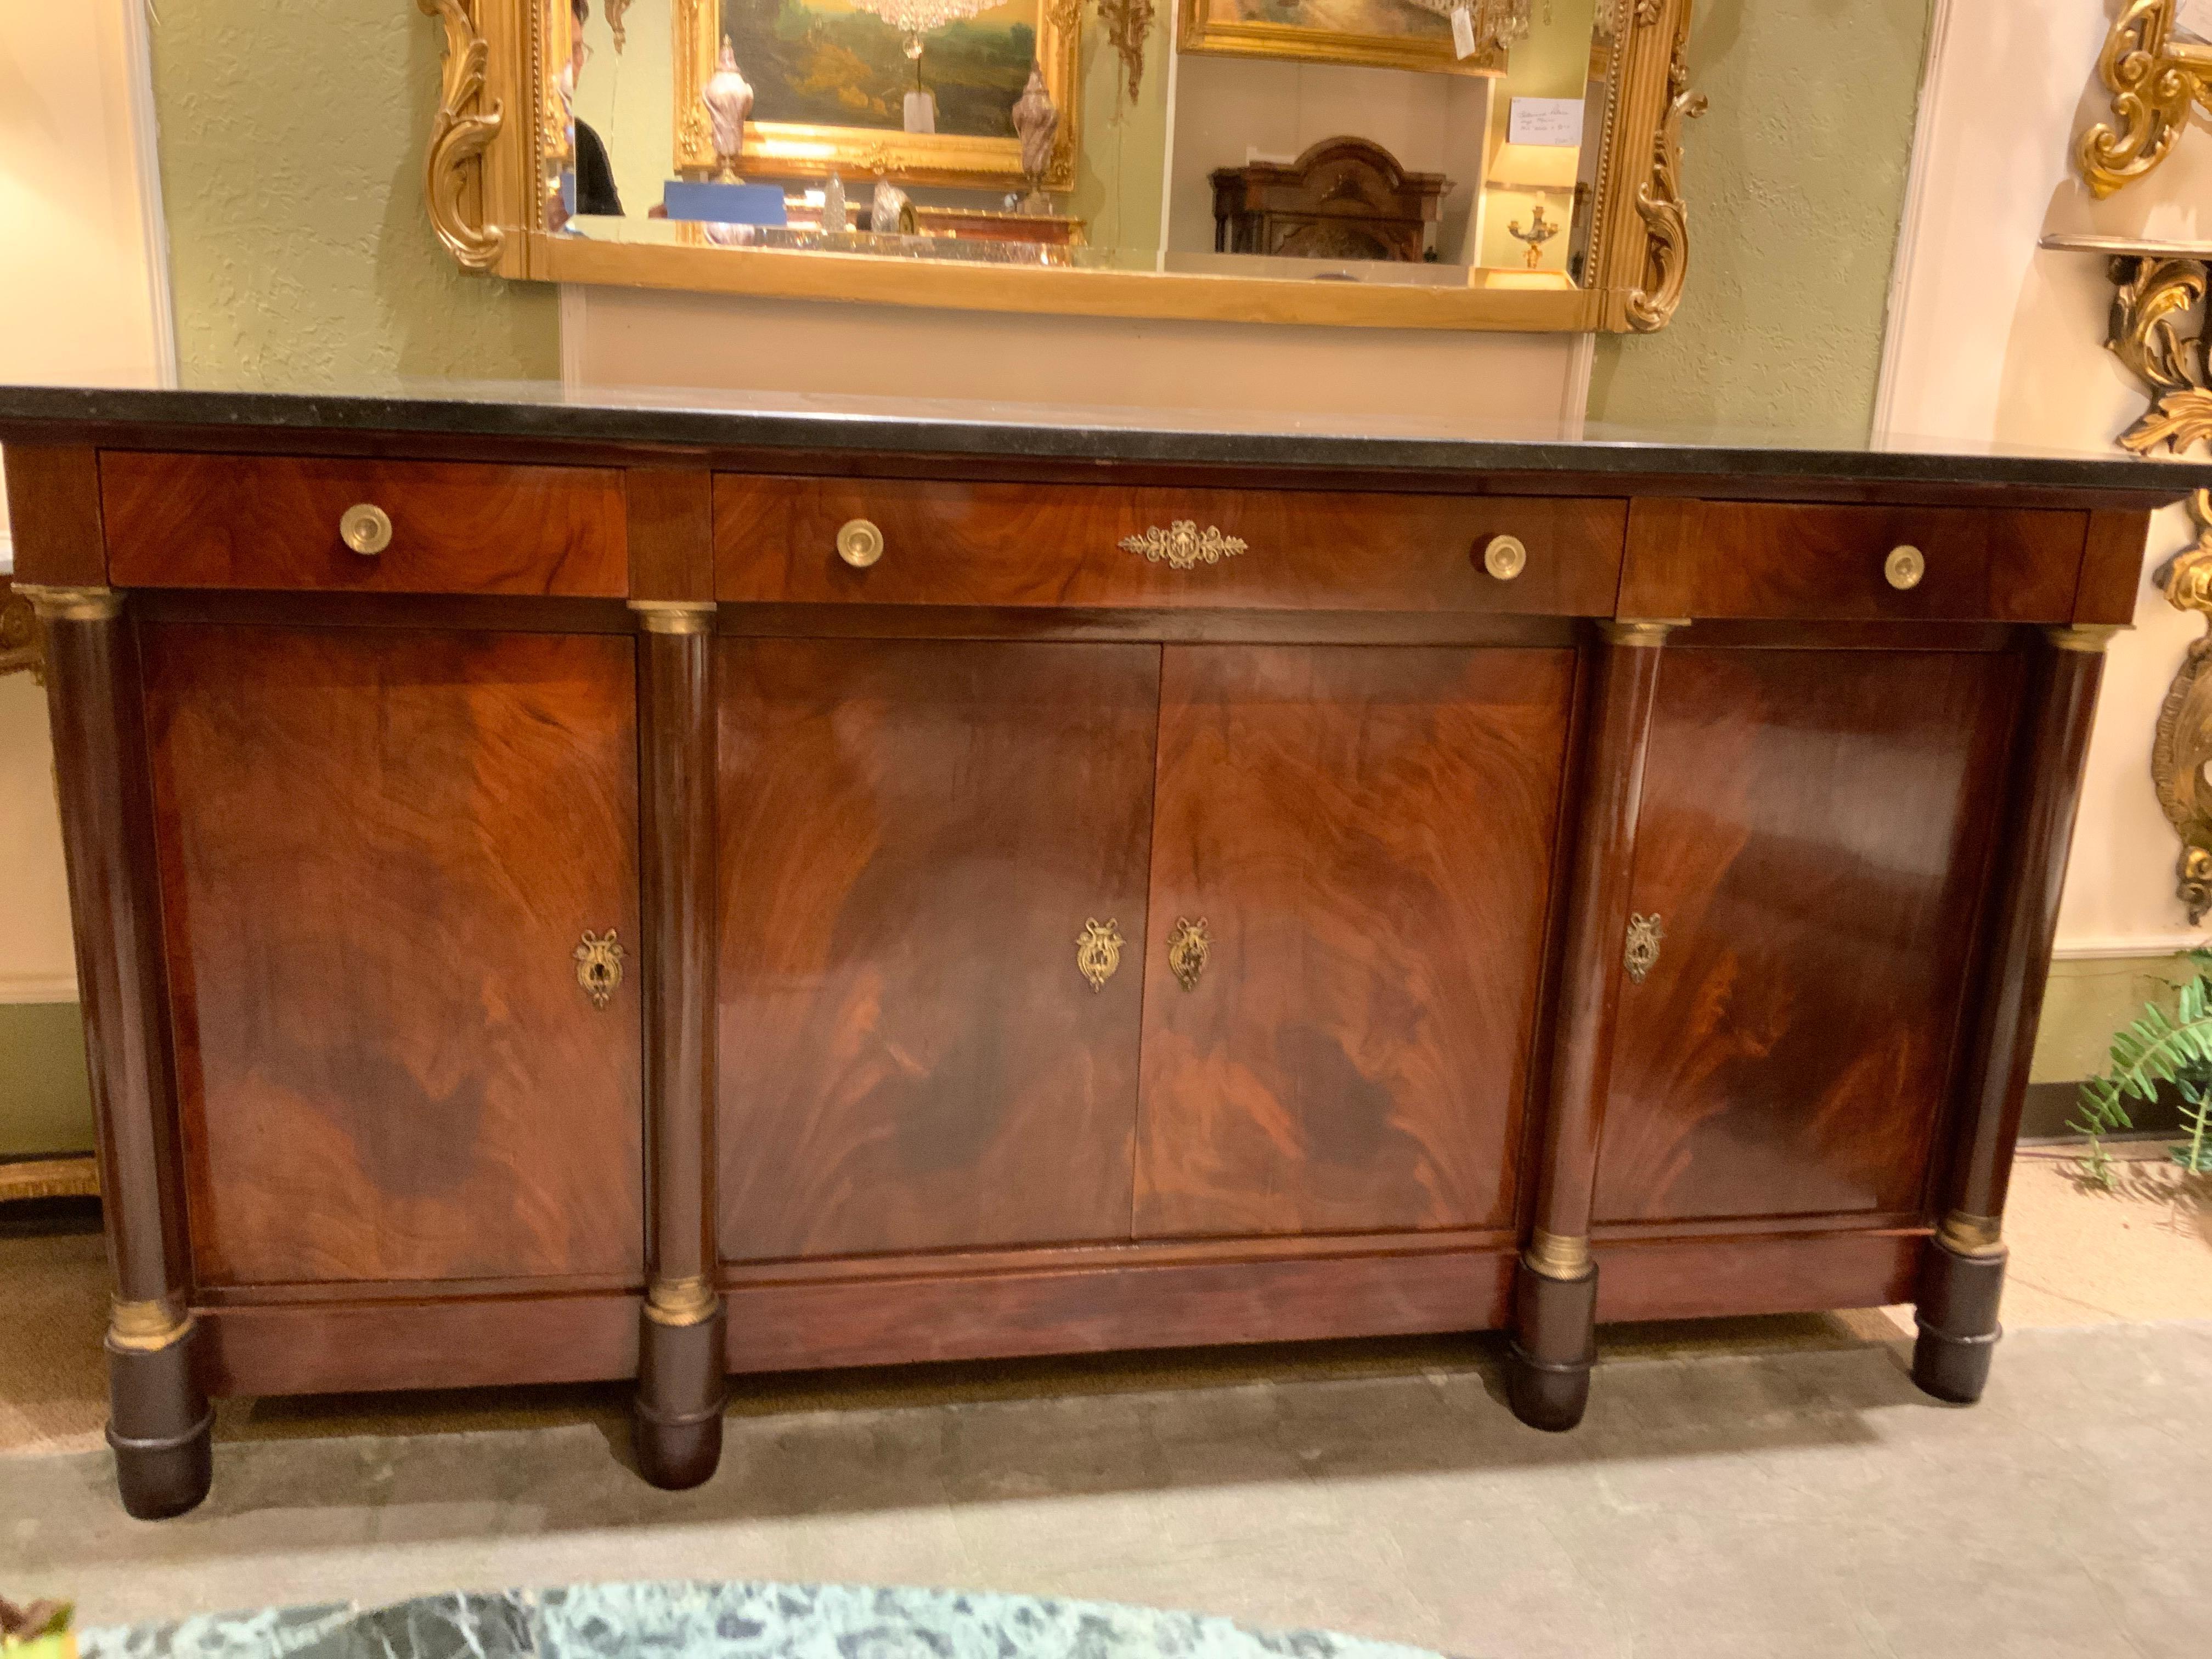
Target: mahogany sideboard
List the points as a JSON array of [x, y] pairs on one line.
[[572, 892]]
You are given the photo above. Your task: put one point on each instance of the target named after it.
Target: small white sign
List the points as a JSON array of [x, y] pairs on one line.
[[1553, 121], [2194, 19], [1462, 22]]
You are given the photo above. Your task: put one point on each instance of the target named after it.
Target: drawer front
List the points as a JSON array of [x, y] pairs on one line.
[[1741, 559], [276, 522], [776, 541]]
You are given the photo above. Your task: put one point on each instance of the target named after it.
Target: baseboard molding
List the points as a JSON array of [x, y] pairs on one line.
[[2049, 1111]]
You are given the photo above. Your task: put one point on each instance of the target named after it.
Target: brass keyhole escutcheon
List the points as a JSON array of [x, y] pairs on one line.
[[1641, 954], [599, 966], [1098, 952], [1506, 557], [1904, 568], [1188, 945], [366, 528], [859, 543]]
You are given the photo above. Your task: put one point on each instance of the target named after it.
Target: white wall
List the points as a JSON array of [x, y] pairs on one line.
[[1992, 338], [84, 294]]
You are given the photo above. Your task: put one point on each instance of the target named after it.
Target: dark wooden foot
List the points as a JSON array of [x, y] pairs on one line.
[[680, 1395], [159, 1425], [1958, 1319], [1548, 1368]]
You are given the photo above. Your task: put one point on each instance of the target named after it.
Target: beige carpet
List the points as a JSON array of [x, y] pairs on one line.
[[2081, 1255]]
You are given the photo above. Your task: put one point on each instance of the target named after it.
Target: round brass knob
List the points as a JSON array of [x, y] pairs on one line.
[[1505, 558], [859, 543], [367, 529], [1904, 568]]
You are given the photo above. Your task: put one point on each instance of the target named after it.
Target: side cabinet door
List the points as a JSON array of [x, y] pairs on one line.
[[1814, 835], [380, 850], [915, 837], [1366, 835]]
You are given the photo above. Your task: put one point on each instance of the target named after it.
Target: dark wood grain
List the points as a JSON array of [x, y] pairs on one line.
[[784, 1326], [2112, 567], [1001, 544], [1367, 836], [1733, 559], [93, 700], [378, 852], [1620, 684], [2043, 796], [670, 530], [53, 514], [461, 1342], [231, 521], [912, 836], [1814, 833], [676, 717], [1807, 1273]]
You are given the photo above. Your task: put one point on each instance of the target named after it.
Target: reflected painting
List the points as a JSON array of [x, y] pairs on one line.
[[1376, 33], [825, 62]]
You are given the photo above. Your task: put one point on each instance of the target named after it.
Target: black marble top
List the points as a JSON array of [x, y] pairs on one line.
[[767, 420]]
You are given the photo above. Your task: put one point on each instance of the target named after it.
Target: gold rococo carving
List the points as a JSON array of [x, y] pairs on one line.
[[452, 185], [2153, 78], [1660, 203]]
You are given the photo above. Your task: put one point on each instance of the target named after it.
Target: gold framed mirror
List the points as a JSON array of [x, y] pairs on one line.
[[1447, 164]]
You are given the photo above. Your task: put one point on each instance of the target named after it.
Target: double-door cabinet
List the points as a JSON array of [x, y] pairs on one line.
[[592, 908]]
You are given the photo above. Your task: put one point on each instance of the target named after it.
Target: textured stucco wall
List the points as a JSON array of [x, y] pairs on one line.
[[1796, 180], [291, 143]]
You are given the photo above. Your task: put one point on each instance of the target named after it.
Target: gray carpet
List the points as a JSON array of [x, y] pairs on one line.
[[1800, 1503]]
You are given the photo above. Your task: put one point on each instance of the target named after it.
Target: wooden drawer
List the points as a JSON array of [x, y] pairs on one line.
[[273, 522], [775, 541], [1724, 559]]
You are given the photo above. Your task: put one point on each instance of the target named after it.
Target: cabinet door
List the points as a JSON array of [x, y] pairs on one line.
[[380, 851], [1366, 835], [1813, 839], [914, 837]]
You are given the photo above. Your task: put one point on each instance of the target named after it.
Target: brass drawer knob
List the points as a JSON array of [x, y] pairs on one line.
[[859, 543], [366, 528], [1641, 954], [1904, 568], [1505, 558]]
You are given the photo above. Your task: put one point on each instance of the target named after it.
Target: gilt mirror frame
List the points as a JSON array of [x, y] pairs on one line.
[[485, 153]]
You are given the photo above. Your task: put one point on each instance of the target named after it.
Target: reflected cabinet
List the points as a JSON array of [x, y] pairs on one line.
[[576, 894]]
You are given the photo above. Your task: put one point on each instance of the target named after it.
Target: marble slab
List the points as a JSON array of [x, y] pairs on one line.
[[735, 1620]]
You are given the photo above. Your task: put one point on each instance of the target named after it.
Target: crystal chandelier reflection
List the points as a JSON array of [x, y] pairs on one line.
[[1497, 24], [916, 18]]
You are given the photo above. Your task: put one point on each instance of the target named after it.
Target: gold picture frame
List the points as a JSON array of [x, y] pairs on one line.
[[786, 150], [1197, 29]]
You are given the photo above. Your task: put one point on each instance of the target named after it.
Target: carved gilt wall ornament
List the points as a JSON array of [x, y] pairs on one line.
[[452, 165], [2154, 79], [1182, 544], [599, 966], [615, 24], [2153, 298], [1098, 952], [1642, 954], [1659, 203]]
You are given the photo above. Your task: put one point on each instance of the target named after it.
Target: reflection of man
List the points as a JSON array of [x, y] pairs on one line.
[[595, 174]]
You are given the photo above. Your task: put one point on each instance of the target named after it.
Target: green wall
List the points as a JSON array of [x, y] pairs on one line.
[[45, 1102], [1795, 181], [291, 144]]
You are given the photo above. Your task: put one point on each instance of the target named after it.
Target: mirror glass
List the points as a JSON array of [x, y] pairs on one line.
[[1445, 142]]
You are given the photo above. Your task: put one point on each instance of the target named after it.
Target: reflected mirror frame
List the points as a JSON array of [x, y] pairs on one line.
[[483, 160]]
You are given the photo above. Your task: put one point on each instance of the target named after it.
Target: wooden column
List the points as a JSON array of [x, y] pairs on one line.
[[1962, 1275], [1555, 1287], [158, 1415], [681, 1388]]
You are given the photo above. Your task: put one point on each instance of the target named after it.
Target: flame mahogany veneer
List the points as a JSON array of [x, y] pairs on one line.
[[1354, 835]]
